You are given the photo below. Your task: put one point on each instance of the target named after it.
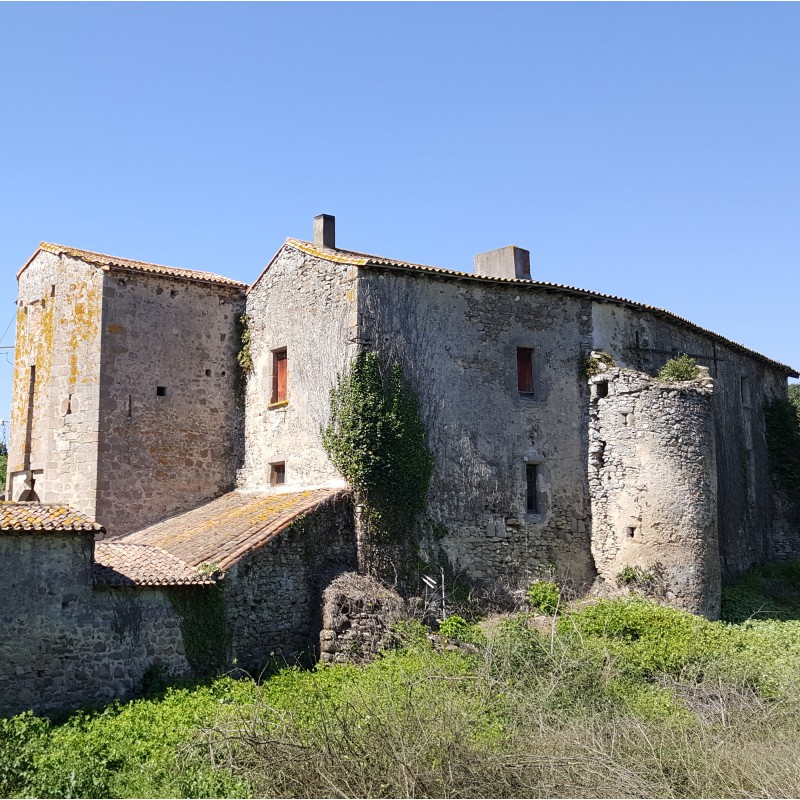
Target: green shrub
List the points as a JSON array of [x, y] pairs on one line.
[[682, 368], [544, 595], [458, 629]]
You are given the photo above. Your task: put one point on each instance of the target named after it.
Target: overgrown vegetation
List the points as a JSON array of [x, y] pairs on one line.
[[681, 368], [201, 611], [545, 596], [618, 698], [244, 356], [376, 439], [3, 466], [596, 363], [782, 422]]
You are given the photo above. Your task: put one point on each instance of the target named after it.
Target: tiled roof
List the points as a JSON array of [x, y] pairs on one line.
[[113, 262], [121, 564], [353, 258], [44, 517], [224, 530]]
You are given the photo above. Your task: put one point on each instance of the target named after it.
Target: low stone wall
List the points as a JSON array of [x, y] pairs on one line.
[[358, 613], [65, 643]]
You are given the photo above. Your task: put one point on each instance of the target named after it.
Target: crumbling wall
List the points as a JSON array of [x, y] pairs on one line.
[[165, 450], [307, 306], [653, 482], [358, 614], [273, 597], [65, 643]]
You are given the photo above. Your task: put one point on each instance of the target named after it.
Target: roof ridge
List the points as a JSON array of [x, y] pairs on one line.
[[106, 261]]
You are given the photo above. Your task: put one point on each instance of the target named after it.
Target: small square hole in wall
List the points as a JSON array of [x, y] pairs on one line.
[[161, 391], [208, 373], [631, 533], [602, 389], [278, 474]]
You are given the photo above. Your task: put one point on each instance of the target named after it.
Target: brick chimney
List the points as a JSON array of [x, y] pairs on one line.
[[506, 262], [325, 231]]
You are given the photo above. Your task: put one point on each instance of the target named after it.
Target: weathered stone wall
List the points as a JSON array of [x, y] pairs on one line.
[[63, 643], [307, 306], [160, 455], [58, 332], [746, 500], [653, 481], [457, 341], [358, 613], [273, 597]]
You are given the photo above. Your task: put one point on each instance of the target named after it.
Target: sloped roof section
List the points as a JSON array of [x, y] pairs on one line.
[[353, 258], [44, 518], [121, 564], [225, 530], [107, 262]]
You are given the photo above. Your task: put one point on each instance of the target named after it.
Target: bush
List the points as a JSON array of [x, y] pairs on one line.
[[682, 368], [544, 595], [458, 629]]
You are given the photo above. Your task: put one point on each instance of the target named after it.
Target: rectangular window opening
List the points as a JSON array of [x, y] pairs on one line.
[[602, 389], [631, 533], [532, 502], [161, 391], [745, 390], [278, 473], [525, 370], [29, 419], [279, 367]]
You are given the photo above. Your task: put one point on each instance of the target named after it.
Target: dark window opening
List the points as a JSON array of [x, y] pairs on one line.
[[208, 373], [130, 406], [278, 476], [52, 290], [602, 389], [279, 366], [161, 391], [532, 502], [525, 370], [69, 404], [29, 420], [744, 390], [172, 293], [631, 533]]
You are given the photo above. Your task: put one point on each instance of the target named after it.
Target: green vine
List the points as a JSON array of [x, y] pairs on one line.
[[244, 356], [782, 422], [204, 626], [376, 439]]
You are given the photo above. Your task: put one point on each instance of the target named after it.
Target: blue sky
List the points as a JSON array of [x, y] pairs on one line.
[[649, 151]]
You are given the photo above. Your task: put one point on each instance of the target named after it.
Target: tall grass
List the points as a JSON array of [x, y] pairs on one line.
[[621, 698]]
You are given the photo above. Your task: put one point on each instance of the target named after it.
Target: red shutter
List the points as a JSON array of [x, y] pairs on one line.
[[280, 371], [525, 369]]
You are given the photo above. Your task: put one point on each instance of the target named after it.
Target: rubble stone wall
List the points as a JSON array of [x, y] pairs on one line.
[[65, 643], [653, 483]]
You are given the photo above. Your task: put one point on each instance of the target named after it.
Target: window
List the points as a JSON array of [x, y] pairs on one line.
[[278, 376], [278, 474], [525, 370], [532, 503], [602, 389], [161, 391], [744, 391]]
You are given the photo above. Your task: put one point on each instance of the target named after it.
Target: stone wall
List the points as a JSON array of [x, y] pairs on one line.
[[273, 597], [457, 341], [306, 306], [743, 383], [165, 453], [58, 333], [64, 643], [653, 481], [357, 618]]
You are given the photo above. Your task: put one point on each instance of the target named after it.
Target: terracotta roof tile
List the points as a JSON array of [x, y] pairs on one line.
[[113, 262], [122, 564], [353, 258], [44, 517], [226, 529]]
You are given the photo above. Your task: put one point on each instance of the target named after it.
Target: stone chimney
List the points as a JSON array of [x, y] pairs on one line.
[[325, 231], [507, 262]]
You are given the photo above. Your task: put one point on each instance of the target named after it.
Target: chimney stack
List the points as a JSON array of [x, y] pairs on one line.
[[325, 231], [506, 262]]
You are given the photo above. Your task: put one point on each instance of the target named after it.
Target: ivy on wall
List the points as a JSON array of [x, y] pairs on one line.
[[782, 420], [376, 439], [204, 626], [244, 356]]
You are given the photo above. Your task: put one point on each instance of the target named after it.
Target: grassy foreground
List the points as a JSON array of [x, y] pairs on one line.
[[620, 698]]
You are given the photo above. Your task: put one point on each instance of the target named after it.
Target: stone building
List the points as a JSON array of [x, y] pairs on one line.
[[129, 407]]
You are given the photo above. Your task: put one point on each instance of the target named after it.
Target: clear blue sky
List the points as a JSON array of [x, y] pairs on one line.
[[650, 151]]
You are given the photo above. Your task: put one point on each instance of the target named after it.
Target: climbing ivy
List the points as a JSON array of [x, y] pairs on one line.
[[376, 439], [244, 357], [782, 421], [201, 612], [597, 362]]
